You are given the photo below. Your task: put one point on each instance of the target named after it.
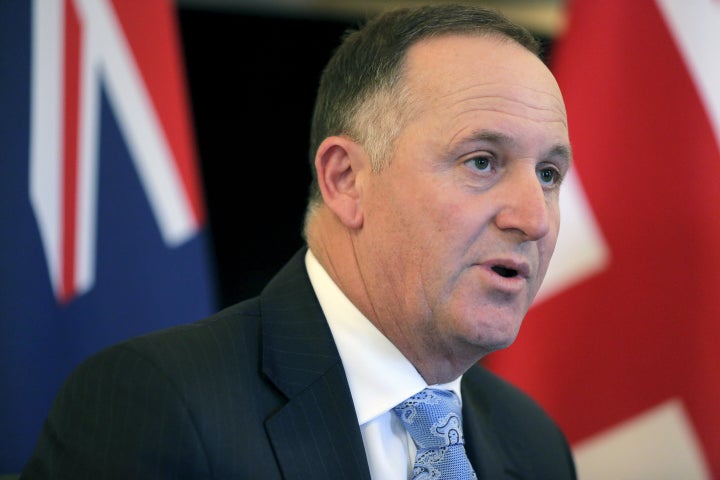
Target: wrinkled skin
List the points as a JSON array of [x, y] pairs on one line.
[[445, 249]]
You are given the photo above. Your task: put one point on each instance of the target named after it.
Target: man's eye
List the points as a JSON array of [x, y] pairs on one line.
[[548, 176], [481, 163]]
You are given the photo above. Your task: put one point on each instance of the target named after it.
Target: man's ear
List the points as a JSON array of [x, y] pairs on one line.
[[340, 164]]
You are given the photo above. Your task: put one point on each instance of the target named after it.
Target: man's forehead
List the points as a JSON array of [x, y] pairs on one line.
[[485, 72], [449, 61]]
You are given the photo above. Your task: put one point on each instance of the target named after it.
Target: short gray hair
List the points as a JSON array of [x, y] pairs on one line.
[[361, 93]]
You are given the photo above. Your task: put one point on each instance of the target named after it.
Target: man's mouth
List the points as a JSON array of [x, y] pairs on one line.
[[504, 271]]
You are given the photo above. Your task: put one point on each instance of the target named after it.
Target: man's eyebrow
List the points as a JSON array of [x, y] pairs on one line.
[[491, 136], [563, 151]]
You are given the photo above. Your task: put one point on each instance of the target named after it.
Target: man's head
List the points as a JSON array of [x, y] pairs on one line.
[[444, 243], [362, 93]]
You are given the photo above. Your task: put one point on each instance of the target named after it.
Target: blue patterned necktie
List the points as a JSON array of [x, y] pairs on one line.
[[434, 420]]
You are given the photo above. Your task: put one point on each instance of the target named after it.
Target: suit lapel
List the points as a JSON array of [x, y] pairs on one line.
[[489, 454], [317, 430]]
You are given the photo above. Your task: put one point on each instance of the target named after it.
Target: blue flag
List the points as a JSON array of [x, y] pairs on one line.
[[103, 227]]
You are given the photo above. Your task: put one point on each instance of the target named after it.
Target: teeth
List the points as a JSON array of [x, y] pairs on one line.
[[504, 272]]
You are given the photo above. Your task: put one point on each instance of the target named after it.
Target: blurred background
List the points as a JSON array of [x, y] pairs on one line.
[[155, 169]]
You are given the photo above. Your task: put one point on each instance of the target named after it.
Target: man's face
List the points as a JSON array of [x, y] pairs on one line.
[[459, 229]]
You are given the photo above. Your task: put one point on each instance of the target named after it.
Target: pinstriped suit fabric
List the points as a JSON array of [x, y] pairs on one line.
[[256, 392], [192, 401]]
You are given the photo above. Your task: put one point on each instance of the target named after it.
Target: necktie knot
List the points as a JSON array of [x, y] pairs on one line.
[[433, 418]]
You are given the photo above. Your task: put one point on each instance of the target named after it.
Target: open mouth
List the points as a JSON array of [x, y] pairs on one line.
[[505, 272]]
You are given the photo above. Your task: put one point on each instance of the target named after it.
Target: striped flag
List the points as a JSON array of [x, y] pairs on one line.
[[101, 207], [624, 355]]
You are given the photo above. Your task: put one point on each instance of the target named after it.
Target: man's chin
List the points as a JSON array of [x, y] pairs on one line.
[[495, 341]]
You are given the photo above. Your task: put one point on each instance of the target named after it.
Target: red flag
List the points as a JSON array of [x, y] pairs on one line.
[[626, 357]]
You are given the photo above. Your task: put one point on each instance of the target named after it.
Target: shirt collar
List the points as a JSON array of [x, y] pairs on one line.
[[379, 375]]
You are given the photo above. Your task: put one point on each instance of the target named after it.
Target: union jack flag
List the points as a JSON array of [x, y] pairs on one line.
[[101, 206]]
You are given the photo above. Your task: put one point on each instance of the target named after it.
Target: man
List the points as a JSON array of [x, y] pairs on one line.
[[439, 143]]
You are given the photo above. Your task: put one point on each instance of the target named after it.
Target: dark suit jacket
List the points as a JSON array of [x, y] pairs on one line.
[[258, 391]]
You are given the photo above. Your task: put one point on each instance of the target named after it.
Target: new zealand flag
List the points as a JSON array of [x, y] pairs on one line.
[[103, 227]]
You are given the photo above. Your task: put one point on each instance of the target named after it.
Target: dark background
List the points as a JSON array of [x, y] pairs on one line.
[[252, 80]]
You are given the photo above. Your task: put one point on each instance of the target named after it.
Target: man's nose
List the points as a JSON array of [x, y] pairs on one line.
[[524, 205]]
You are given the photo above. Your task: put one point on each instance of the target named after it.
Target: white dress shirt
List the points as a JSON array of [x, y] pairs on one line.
[[379, 375]]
